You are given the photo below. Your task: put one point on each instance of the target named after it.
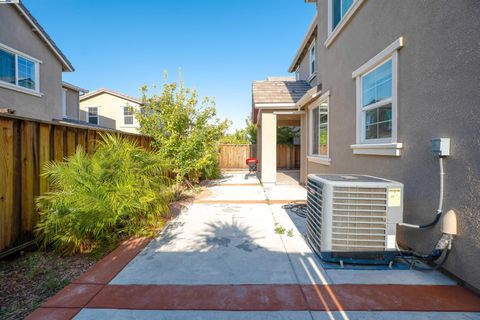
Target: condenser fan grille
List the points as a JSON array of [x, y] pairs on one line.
[[359, 219]]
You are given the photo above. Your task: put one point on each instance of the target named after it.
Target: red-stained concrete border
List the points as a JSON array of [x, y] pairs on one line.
[[69, 301], [350, 297], [107, 268], [287, 297]]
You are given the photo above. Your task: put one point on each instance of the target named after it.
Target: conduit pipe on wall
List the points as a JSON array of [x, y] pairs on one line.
[[440, 202]]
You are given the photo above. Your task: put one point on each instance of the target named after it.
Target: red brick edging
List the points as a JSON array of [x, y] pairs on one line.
[[69, 301]]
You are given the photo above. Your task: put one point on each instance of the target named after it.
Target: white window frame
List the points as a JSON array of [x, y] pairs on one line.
[[322, 159], [334, 32], [312, 73], [297, 74], [15, 86], [98, 115], [389, 146], [122, 110]]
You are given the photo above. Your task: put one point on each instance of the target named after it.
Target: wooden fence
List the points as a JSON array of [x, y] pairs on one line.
[[25, 145], [288, 157], [233, 156]]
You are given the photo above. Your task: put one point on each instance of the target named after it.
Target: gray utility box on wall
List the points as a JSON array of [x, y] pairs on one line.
[[353, 218]]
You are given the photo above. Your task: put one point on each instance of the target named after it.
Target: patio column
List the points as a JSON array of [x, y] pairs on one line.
[[303, 148], [269, 148]]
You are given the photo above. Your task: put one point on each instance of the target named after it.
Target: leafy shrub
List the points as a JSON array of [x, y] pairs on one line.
[[120, 190], [186, 132]]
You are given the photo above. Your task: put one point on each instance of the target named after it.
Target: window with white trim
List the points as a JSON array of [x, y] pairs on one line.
[[92, 115], [18, 71], [339, 9], [376, 104], [311, 54], [128, 116], [377, 120], [297, 74], [319, 132]]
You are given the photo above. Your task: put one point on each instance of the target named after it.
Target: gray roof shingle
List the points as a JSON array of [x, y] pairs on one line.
[[278, 91]]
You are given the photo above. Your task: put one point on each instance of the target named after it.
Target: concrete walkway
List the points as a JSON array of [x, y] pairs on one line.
[[222, 259]]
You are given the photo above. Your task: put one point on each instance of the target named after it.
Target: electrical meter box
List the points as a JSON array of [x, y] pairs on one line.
[[441, 147]]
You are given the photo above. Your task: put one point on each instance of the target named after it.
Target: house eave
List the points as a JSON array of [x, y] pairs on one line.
[[66, 65], [73, 87], [111, 92], [306, 41], [309, 97], [275, 105]]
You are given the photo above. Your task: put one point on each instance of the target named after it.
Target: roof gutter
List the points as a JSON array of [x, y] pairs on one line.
[[274, 105], [311, 30], [73, 87]]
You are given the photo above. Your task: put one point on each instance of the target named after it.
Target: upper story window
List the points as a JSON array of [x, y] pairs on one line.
[[376, 105], [339, 9], [376, 83], [18, 71], [339, 13], [319, 129], [311, 54], [92, 115], [128, 116]]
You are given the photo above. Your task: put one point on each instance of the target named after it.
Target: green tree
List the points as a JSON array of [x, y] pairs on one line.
[[238, 137], [251, 131], [186, 132], [285, 135]]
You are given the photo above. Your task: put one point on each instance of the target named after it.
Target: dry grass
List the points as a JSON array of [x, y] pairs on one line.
[[27, 280]]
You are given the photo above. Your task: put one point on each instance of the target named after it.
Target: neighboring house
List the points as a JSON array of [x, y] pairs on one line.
[[380, 80], [71, 102], [31, 66], [110, 109]]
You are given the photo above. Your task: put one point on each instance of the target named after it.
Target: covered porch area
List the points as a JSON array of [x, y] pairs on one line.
[[274, 105]]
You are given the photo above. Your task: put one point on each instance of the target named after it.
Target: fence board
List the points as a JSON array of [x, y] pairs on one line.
[[30, 175], [44, 153], [6, 185], [26, 145]]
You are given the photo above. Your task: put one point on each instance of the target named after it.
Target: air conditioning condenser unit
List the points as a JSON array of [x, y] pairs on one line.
[[353, 218]]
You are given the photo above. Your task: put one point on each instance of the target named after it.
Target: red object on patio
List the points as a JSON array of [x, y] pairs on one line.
[[252, 165]]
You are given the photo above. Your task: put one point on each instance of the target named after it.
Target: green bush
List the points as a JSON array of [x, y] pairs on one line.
[[120, 190], [186, 132]]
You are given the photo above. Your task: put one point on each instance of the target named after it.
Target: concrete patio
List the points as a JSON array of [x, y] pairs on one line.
[[222, 259]]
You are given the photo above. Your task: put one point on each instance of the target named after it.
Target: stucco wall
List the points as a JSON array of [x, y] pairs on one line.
[[110, 107], [439, 96], [73, 104], [18, 35]]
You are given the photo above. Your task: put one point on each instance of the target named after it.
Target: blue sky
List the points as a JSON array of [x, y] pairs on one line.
[[221, 46]]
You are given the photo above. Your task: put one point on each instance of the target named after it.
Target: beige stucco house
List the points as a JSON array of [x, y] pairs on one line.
[[111, 109], [375, 82], [31, 66]]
